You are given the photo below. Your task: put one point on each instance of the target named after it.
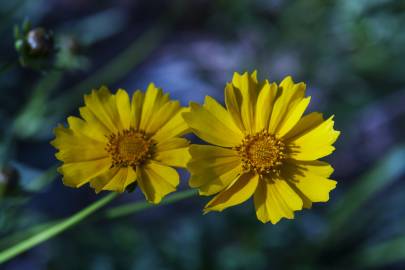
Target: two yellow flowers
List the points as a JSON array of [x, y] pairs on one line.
[[261, 146]]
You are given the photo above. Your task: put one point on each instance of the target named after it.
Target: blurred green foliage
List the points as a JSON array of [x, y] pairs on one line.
[[350, 53]]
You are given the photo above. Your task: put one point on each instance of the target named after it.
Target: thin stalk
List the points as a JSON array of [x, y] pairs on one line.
[[131, 208], [54, 230]]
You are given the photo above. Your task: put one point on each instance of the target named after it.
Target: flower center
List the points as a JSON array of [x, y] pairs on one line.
[[128, 148], [262, 153]]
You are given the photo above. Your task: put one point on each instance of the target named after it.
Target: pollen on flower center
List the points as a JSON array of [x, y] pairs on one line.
[[128, 148], [262, 153]]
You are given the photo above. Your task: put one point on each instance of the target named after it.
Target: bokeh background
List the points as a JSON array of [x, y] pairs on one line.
[[350, 53]]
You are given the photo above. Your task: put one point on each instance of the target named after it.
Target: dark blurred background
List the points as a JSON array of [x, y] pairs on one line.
[[351, 55]]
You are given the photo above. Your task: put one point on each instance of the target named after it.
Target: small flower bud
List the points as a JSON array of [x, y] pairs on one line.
[[9, 180], [40, 42], [35, 47]]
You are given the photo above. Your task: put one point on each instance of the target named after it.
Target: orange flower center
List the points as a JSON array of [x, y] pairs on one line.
[[262, 153], [128, 148]]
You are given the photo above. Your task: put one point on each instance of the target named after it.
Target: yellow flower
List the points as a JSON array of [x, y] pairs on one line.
[[117, 142], [264, 147]]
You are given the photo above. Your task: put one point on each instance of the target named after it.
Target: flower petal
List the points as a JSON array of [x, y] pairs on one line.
[[156, 180], [176, 126], [315, 143], [212, 159], [315, 187], [233, 101], [264, 105], [172, 143], [213, 182], [123, 107], [154, 98], [290, 95], [79, 173], [275, 199], [83, 128], [176, 157], [115, 179], [263, 212], [212, 168], [292, 117], [209, 128], [94, 122], [136, 108], [240, 191], [305, 124], [317, 167], [162, 115], [212, 106], [248, 87], [70, 144], [103, 105]]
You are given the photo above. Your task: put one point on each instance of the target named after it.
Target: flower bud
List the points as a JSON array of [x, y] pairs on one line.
[[40, 42], [9, 180]]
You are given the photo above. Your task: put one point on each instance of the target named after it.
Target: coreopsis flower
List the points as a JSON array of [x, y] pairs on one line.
[[118, 142], [263, 147]]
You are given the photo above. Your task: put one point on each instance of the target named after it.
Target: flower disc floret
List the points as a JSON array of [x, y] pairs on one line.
[[262, 153], [129, 148]]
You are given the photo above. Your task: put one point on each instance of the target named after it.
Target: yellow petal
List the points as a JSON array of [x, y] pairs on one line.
[[156, 180], [233, 101], [213, 159], [221, 114], [209, 128], [172, 143], [315, 143], [316, 167], [287, 194], [83, 128], [124, 177], [161, 116], [103, 105], [212, 168], [115, 179], [175, 157], [124, 108], [94, 122], [305, 124], [277, 204], [248, 88], [79, 173], [213, 182], [260, 199], [136, 109], [74, 147], [315, 187], [240, 191], [275, 199], [264, 106], [151, 103], [176, 126], [290, 95], [292, 117], [100, 181]]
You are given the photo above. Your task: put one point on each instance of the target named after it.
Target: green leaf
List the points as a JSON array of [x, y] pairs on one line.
[[378, 255], [379, 177]]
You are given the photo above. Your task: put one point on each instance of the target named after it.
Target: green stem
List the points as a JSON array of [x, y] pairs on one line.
[[123, 210], [54, 230]]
